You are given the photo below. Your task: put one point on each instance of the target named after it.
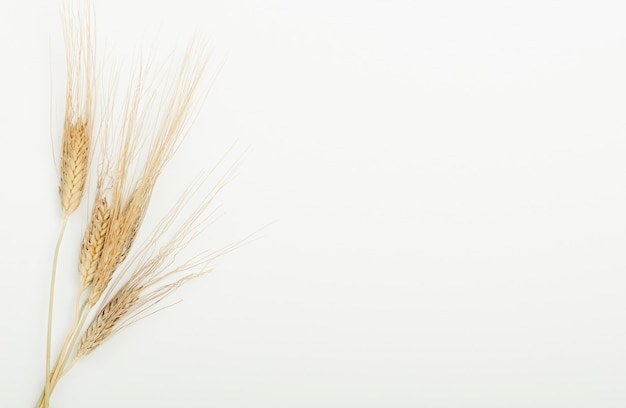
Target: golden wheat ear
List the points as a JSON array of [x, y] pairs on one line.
[[79, 107], [74, 162], [93, 241], [104, 323]]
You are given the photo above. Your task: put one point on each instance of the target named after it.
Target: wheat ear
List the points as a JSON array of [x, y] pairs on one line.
[[104, 323], [120, 237], [74, 162], [79, 106], [93, 242]]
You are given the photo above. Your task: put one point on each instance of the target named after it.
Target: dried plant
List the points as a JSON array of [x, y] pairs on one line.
[[122, 281], [77, 128], [92, 246], [79, 105]]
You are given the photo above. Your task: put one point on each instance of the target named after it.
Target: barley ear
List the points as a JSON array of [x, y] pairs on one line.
[[79, 106], [93, 242], [74, 162], [104, 323], [120, 236]]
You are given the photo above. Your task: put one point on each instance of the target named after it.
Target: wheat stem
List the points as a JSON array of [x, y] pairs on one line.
[[50, 309], [54, 380], [82, 311], [40, 401], [79, 313], [60, 370], [76, 338]]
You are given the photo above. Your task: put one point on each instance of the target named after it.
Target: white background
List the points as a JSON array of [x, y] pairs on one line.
[[447, 180]]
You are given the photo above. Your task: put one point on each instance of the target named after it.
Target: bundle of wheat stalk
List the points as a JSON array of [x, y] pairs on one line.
[[122, 281]]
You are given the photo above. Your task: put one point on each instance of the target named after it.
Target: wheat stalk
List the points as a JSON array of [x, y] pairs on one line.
[[76, 138]]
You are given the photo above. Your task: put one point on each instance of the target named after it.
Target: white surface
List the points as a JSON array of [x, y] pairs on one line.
[[448, 183]]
